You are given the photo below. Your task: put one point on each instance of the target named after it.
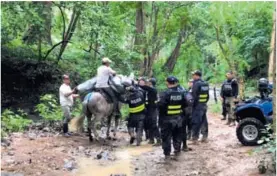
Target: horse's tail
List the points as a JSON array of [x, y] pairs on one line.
[[79, 123]]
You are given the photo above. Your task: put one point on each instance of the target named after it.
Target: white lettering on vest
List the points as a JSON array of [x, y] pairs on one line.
[[177, 97], [136, 101]]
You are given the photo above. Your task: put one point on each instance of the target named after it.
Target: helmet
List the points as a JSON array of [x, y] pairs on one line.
[[172, 79], [263, 84]]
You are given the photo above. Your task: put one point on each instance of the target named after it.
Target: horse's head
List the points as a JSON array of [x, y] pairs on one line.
[[120, 82]]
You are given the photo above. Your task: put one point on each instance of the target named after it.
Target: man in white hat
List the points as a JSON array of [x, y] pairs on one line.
[[103, 74]]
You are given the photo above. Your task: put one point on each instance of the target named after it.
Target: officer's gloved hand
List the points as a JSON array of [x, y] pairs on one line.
[[130, 88]]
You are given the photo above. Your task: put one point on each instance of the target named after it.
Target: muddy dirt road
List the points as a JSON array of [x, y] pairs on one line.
[[52, 155]]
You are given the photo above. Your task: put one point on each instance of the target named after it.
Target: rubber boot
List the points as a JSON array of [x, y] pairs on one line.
[[167, 159], [151, 141], [194, 142], [65, 128], [132, 140], [158, 143], [176, 156], [228, 121], [233, 123], [204, 140]]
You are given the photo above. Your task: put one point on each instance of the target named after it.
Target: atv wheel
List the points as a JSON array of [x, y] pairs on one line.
[[249, 131]]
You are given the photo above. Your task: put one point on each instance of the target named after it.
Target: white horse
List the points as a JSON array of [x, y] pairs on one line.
[[96, 108]]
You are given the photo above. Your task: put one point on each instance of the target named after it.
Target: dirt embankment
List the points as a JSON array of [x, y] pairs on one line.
[[50, 155]]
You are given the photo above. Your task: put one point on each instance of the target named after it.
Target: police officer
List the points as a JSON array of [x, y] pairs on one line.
[[188, 109], [135, 100], [151, 113], [229, 93], [187, 114], [200, 93], [142, 81], [171, 106]]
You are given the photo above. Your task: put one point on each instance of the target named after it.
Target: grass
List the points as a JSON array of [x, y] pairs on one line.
[[215, 107]]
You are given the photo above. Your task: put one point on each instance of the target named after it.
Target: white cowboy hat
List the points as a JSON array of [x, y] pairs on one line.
[[106, 60]]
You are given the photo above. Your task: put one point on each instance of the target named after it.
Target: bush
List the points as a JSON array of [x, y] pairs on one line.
[[13, 122], [124, 111], [215, 107], [49, 108]]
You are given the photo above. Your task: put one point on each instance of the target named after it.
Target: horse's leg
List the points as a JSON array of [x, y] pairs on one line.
[[109, 126], [89, 127], [96, 136], [116, 119]]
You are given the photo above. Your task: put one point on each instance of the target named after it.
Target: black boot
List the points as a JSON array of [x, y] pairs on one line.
[[65, 128], [158, 143], [132, 140], [151, 141], [224, 118]]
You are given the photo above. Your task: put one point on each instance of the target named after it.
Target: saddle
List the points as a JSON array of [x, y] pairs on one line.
[[107, 97]]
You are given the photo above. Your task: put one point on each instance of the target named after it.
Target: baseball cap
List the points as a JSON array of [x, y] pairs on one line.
[[106, 60], [171, 79], [65, 76]]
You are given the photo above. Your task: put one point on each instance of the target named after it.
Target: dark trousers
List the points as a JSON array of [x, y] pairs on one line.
[[184, 131], [109, 91], [171, 130], [152, 116], [224, 109], [188, 123], [199, 121], [135, 124]]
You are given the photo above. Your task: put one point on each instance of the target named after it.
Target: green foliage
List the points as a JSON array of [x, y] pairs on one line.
[[30, 29], [48, 108], [77, 109], [215, 107], [124, 111], [13, 122]]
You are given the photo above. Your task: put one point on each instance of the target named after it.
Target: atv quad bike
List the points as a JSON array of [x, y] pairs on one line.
[[253, 114]]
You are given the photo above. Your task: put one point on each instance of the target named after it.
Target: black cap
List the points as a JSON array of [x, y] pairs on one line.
[[171, 79], [153, 81], [196, 72]]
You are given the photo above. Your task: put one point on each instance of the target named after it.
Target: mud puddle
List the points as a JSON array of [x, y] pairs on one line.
[[121, 167]]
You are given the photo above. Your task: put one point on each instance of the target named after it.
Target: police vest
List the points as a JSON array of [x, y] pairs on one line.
[[147, 99], [174, 106], [136, 103], [203, 96], [227, 89]]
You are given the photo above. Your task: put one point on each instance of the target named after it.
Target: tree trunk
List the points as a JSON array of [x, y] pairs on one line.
[[172, 59], [140, 29], [272, 67], [140, 40], [272, 46], [70, 30], [48, 20]]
